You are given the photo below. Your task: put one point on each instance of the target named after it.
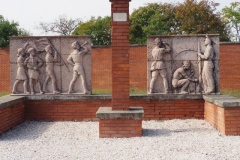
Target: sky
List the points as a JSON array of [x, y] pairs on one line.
[[29, 13]]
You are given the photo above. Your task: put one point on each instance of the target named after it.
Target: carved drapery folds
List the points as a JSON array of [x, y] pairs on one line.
[[186, 64], [50, 65]]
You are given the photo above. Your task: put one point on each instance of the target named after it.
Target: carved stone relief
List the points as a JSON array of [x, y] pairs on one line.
[[43, 66], [191, 64]]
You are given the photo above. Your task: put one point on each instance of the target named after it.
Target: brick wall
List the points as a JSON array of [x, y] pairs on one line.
[[102, 68], [101, 73], [4, 70], [229, 66], [64, 110], [86, 109], [214, 115], [11, 116], [121, 128], [226, 120]]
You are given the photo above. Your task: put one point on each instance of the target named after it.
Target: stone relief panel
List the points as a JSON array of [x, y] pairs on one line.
[[185, 65], [39, 65]]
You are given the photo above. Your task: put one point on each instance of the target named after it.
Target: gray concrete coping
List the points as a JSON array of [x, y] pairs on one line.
[[80, 97], [68, 97], [223, 100], [108, 113], [170, 96], [8, 100]]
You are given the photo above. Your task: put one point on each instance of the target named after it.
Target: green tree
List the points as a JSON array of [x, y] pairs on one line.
[[140, 19], [232, 17], [98, 28], [189, 17], [200, 18], [8, 29]]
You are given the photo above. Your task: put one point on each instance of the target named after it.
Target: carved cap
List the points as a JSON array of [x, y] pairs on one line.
[[75, 45], [47, 48], [157, 41], [208, 39], [31, 49], [20, 50]]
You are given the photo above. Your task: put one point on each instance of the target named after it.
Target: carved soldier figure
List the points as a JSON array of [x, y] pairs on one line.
[[21, 74], [76, 60], [33, 63], [181, 79], [158, 66], [207, 71], [50, 58]]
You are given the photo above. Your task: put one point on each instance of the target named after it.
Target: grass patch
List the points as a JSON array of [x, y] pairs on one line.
[[101, 91], [137, 91], [231, 92], [109, 92], [3, 94]]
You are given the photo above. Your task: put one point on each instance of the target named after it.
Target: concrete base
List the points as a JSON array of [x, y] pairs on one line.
[[223, 113], [120, 124]]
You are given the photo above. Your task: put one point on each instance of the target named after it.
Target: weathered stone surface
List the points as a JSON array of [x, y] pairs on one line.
[[167, 96], [8, 100], [57, 66], [223, 100], [68, 97], [183, 48], [108, 113]]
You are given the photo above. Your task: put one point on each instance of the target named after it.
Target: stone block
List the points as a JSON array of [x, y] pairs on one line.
[[51, 61]]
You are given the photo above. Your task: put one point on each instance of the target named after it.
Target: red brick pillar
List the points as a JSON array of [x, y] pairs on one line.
[[120, 120], [120, 54]]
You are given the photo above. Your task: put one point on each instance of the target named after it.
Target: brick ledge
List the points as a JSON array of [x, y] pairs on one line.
[[223, 100]]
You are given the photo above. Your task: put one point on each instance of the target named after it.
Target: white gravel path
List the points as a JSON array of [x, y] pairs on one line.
[[173, 139]]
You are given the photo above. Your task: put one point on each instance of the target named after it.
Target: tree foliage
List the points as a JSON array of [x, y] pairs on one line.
[[189, 17], [200, 18], [98, 28], [62, 26], [8, 29], [232, 17]]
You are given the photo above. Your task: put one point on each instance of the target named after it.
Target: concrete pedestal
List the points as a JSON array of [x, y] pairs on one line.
[[120, 123]]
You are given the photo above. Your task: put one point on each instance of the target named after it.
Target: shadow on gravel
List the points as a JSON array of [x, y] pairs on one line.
[[155, 132], [28, 130], [168, 132]]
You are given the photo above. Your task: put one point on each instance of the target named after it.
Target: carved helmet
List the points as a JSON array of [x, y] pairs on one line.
[[75, 45], [31, 49], [19, 51]]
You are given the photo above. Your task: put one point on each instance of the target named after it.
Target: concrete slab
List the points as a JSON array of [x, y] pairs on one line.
[[108, 113]]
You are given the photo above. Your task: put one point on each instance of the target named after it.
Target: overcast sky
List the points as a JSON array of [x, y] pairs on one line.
[[28, 13]]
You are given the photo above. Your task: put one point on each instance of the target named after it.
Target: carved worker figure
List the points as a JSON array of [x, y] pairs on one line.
[[33, 63], [76, 60], [21, 74], [50, 59], [181, 79], [207, 71], [158, 66]]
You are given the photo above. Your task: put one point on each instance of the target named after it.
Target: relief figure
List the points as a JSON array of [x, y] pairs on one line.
[[76, 60], [181, 79], [158, 66], [33, 63], [50, 59], [207, 71], [21, 73]]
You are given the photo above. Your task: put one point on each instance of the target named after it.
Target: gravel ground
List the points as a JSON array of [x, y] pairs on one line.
[[173, 139]]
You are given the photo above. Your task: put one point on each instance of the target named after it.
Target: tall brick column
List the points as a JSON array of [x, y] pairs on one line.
[[120, 120], [120, 54]]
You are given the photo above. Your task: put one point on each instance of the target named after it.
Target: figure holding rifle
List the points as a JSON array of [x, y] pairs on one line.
[[207, 71], [50, 58]]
